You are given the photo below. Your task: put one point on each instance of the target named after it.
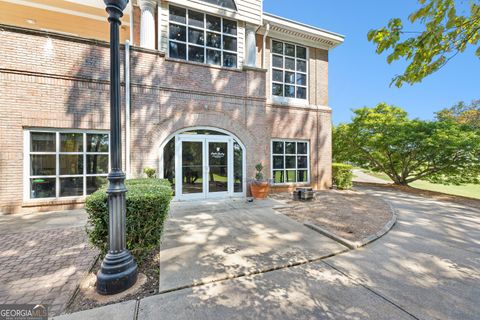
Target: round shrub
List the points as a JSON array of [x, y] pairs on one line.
[[342, 175], [148, 203]]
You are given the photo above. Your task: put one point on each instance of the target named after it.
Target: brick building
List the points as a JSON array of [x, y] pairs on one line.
[[209, 89]]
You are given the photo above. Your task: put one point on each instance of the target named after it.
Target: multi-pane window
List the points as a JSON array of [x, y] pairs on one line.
[[289, 70], [66, 164], [199, 37], [290, 161]]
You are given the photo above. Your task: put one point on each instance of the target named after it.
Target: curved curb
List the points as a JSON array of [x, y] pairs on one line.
[[358, 244]]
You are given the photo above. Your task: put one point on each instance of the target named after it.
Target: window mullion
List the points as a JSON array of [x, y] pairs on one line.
[[57, 164], [296, 150], [295, 80], [205, 38], [187, 27], [221, 43], [84, 163]]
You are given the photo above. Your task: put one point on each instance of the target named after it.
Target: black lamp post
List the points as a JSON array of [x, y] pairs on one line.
[[119, 270]]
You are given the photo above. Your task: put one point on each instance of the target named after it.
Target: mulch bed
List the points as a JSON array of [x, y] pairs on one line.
[[352, 215], [150, 267], [426, 194]]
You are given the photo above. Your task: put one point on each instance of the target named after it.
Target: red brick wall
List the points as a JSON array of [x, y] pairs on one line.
[[62, 82]]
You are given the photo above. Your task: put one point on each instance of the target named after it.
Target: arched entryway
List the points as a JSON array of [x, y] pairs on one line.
[[204, 162]]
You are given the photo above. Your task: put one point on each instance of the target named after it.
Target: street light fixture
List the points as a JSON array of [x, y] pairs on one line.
[[119, 270]]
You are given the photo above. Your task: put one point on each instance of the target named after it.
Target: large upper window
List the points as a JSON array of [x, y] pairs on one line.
[[66, 164], [289, 70], [229, 4], [290, 161], [199, 37]]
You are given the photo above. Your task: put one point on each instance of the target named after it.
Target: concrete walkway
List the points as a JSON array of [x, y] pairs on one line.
[[207, 241], [429, 265], [43, 257], [360, 176], [426, 267]]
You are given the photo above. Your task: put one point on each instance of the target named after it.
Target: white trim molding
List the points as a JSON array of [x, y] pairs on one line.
[[240, 14], [289, 30], [72, 12]]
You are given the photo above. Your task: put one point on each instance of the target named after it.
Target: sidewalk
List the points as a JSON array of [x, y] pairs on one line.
[[360, 176], [310, 291], [429, 257], [221, 244], [43, 257], [212, 240]]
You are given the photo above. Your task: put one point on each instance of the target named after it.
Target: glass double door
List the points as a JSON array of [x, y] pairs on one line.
[[205, 167]]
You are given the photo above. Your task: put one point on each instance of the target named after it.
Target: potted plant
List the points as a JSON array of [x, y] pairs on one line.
[[259, 186]]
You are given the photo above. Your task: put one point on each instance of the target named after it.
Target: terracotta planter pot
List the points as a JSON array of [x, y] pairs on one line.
[[259, 189]]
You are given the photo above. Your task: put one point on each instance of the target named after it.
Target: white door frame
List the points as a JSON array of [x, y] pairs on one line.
[[180, 133], [179, 171], [205, 140]]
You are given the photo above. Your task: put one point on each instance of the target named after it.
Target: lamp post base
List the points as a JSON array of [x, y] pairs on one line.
[[118, 273]]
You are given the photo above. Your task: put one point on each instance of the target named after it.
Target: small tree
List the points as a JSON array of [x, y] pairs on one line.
[[259, 174], [383, 139]]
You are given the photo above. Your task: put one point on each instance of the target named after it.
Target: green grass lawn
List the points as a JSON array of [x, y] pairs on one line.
[[465, 190]]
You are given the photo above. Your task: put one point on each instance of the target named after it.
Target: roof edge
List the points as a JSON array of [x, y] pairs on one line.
[[304, 28]]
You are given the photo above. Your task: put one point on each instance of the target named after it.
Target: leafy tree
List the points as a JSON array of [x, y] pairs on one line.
[[384, 139], [462, 113], [446, 33]]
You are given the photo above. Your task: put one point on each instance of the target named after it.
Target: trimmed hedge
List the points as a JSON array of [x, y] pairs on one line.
[[148, 181], [342, 175], [148, 202]]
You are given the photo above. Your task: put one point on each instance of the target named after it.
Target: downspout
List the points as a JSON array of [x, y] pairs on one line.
[[127, 109], [265, 45]]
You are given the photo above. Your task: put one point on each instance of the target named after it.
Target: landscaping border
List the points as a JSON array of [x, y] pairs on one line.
[[358, 244]]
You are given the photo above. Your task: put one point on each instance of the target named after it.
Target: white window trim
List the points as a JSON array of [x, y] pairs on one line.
[[284, 164], [289, 100], [27, 170], [218, 7], [205, 30]]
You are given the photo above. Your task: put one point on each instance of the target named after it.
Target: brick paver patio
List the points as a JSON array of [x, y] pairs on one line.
[[44, 266]]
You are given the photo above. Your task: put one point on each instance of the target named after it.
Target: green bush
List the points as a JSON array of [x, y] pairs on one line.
[[342, 175], [148, 202], [150, 172], [135, 182]]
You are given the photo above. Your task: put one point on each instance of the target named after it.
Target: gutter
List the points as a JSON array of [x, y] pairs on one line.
[[127, 109]]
